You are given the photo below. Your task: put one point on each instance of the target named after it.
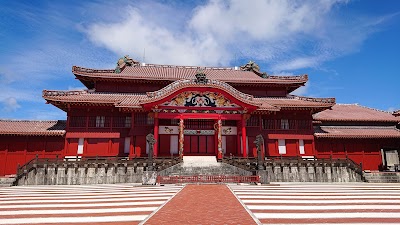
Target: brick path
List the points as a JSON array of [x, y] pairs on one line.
[[202, 204]]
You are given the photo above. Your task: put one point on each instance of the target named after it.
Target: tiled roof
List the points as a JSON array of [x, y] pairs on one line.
[[32, 128], [354, 112], [396, 113], [357, 132], [135, 100], [172, 73], [293, 101]]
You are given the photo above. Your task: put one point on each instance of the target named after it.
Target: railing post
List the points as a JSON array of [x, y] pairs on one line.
[[361, 166], [18, 168], [36, 158]]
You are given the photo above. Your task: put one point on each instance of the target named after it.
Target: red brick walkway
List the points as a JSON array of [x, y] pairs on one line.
[[202, 204]]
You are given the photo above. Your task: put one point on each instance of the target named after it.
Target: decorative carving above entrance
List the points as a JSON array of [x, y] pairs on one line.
[[199, 132], [201, 99]]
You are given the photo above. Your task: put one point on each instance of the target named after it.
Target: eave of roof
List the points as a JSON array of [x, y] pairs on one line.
[[126, 100]]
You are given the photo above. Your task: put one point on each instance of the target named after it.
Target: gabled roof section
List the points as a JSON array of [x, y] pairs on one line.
[[248, 74], [181, 84], [355, 113], [32, 128], [357, 132]]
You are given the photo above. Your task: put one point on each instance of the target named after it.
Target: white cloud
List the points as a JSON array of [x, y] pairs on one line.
[[286, 35], [10, 104], [303, 90]]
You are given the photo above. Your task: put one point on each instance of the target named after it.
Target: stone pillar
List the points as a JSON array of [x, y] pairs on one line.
[[156, 134], [244, 146], [219, 138], [181, 137], [151, 141], [260, 159]]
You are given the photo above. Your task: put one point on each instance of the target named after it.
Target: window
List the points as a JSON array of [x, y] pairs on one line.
[[128, 121], [281, 146], [100, 120], [301, 147], [77, 121], [268, 124], [284, 124], [304, 124], [142, 119], [254, 121]]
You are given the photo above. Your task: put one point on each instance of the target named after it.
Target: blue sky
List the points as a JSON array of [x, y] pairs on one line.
[[350, 49]]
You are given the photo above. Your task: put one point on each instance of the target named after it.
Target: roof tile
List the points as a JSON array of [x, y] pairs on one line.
[[354, 112], [32, 128]]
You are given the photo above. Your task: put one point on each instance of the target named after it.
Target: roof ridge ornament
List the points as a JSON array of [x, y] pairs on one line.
[[252, 66], [201, 77], [125, 61]]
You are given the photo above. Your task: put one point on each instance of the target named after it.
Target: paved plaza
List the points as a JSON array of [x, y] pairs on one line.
[[202, 204]]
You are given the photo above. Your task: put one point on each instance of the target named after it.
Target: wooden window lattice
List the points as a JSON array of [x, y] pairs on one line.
[[77, 121]]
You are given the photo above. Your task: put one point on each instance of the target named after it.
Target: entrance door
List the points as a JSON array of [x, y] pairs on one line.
[[199, 145]]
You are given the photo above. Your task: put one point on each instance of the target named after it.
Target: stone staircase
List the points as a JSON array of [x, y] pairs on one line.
[[382, 177], [203, 165], [6, 181]]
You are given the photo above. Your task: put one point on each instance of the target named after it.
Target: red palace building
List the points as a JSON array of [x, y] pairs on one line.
[[199, 111]]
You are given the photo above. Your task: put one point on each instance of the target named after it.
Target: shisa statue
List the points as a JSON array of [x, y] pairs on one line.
[[252, 66], [125, 61]]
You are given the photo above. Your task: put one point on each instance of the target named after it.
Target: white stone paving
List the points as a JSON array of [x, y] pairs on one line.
[[81, 204], [339, 204]]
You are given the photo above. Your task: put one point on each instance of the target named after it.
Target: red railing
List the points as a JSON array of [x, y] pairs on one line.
[[207, 179]]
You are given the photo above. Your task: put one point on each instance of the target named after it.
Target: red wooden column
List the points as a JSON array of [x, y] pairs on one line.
[[155, 149], [181, 137], [132, 152], [244, 146], [219, 137]]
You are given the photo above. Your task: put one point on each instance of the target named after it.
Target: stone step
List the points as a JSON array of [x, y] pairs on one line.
[[6, 181], [382, 177], [204, 166], [199, 161]]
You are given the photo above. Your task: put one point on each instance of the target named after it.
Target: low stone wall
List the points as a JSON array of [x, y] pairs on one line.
[[308, 173], [93, 174]]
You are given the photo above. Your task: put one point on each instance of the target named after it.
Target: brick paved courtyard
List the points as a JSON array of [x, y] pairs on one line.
[[202, 204]]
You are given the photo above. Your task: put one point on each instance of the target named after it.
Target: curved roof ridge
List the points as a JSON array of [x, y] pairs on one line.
[[27, 120], [46, 93], [379, 110], [359, 127], [313, 99], [347, 104]]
